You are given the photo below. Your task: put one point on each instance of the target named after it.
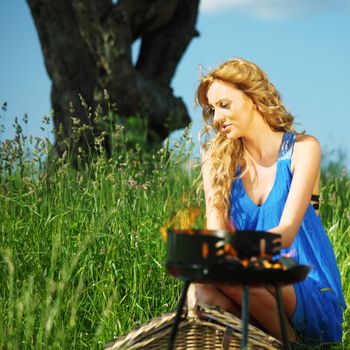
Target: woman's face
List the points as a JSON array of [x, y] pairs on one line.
[[233, 110]]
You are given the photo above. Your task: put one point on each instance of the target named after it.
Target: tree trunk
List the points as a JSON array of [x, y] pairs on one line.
[[87, 48]]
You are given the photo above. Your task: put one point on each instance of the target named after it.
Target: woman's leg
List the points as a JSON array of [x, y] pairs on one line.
[[263, 307], [213, 295]]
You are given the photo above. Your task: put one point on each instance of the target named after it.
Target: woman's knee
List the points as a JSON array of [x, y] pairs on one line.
[[260, 293], [233, 293], [206, 294], [257, 295], [212, 295]]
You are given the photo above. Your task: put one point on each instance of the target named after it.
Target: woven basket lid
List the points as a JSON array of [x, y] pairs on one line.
[[207, 328]]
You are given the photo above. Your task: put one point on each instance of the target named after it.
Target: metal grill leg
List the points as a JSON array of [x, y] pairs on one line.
[[245, 317], [180, 305], [282, 316]]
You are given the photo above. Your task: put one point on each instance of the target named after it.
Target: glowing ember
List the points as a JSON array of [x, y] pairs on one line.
[[228, 249], [262, 263], [205, 250]]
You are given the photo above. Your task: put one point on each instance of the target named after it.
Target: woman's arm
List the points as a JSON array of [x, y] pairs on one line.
[[215, 219], [305, 167]]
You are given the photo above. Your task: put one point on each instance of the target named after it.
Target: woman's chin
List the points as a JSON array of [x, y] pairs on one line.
[[232, 136]]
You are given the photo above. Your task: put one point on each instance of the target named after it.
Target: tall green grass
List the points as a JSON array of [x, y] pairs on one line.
[[81, 256]]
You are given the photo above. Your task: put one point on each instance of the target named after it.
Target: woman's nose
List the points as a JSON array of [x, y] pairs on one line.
[[218, 117]]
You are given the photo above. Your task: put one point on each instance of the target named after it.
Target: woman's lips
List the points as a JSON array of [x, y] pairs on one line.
[[225, 127]]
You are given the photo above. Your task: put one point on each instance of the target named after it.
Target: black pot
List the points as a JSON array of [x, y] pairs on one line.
[[198, 256], [188, 246]]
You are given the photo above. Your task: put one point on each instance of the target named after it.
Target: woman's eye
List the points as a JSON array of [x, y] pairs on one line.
[[209, 110]]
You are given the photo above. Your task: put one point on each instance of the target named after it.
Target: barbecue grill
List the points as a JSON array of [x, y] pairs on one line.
[[247, 258]]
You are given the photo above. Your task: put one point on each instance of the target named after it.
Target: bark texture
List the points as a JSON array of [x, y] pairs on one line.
[[87, 48]]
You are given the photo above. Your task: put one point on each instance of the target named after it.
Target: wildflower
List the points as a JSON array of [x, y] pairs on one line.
[[132, 183], [343, 172], [25, 118], [46, 120], [71, 107], [75, 121], [4, 106], [102, 251]]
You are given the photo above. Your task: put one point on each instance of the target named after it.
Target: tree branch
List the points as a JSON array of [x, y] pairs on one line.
[[144, 16], [159, 56]]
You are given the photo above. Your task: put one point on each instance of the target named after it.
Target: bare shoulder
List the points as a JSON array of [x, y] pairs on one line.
[[306, 143], [301, 138], [307, 149]]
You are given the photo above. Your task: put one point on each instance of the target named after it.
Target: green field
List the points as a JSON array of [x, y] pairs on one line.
[[81, 256]]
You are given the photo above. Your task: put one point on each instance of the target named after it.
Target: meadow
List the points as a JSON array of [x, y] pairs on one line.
[[81, 255]]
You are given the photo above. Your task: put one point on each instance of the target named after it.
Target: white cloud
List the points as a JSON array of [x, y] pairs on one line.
[[274, 9]]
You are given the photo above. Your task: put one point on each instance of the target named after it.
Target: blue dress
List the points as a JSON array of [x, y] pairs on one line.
[[318, 315]]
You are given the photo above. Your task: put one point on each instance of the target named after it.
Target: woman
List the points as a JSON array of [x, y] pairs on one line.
[[259, 174]]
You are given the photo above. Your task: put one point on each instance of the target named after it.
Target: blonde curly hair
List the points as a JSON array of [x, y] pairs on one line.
[[226, 154]]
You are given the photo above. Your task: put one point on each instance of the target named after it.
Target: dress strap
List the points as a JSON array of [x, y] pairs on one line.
[[287, 146]]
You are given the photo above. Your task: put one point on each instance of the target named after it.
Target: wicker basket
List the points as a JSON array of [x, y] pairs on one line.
[[203, 328]]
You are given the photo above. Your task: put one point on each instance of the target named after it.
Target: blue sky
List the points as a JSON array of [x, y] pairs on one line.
[[303, 46]]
